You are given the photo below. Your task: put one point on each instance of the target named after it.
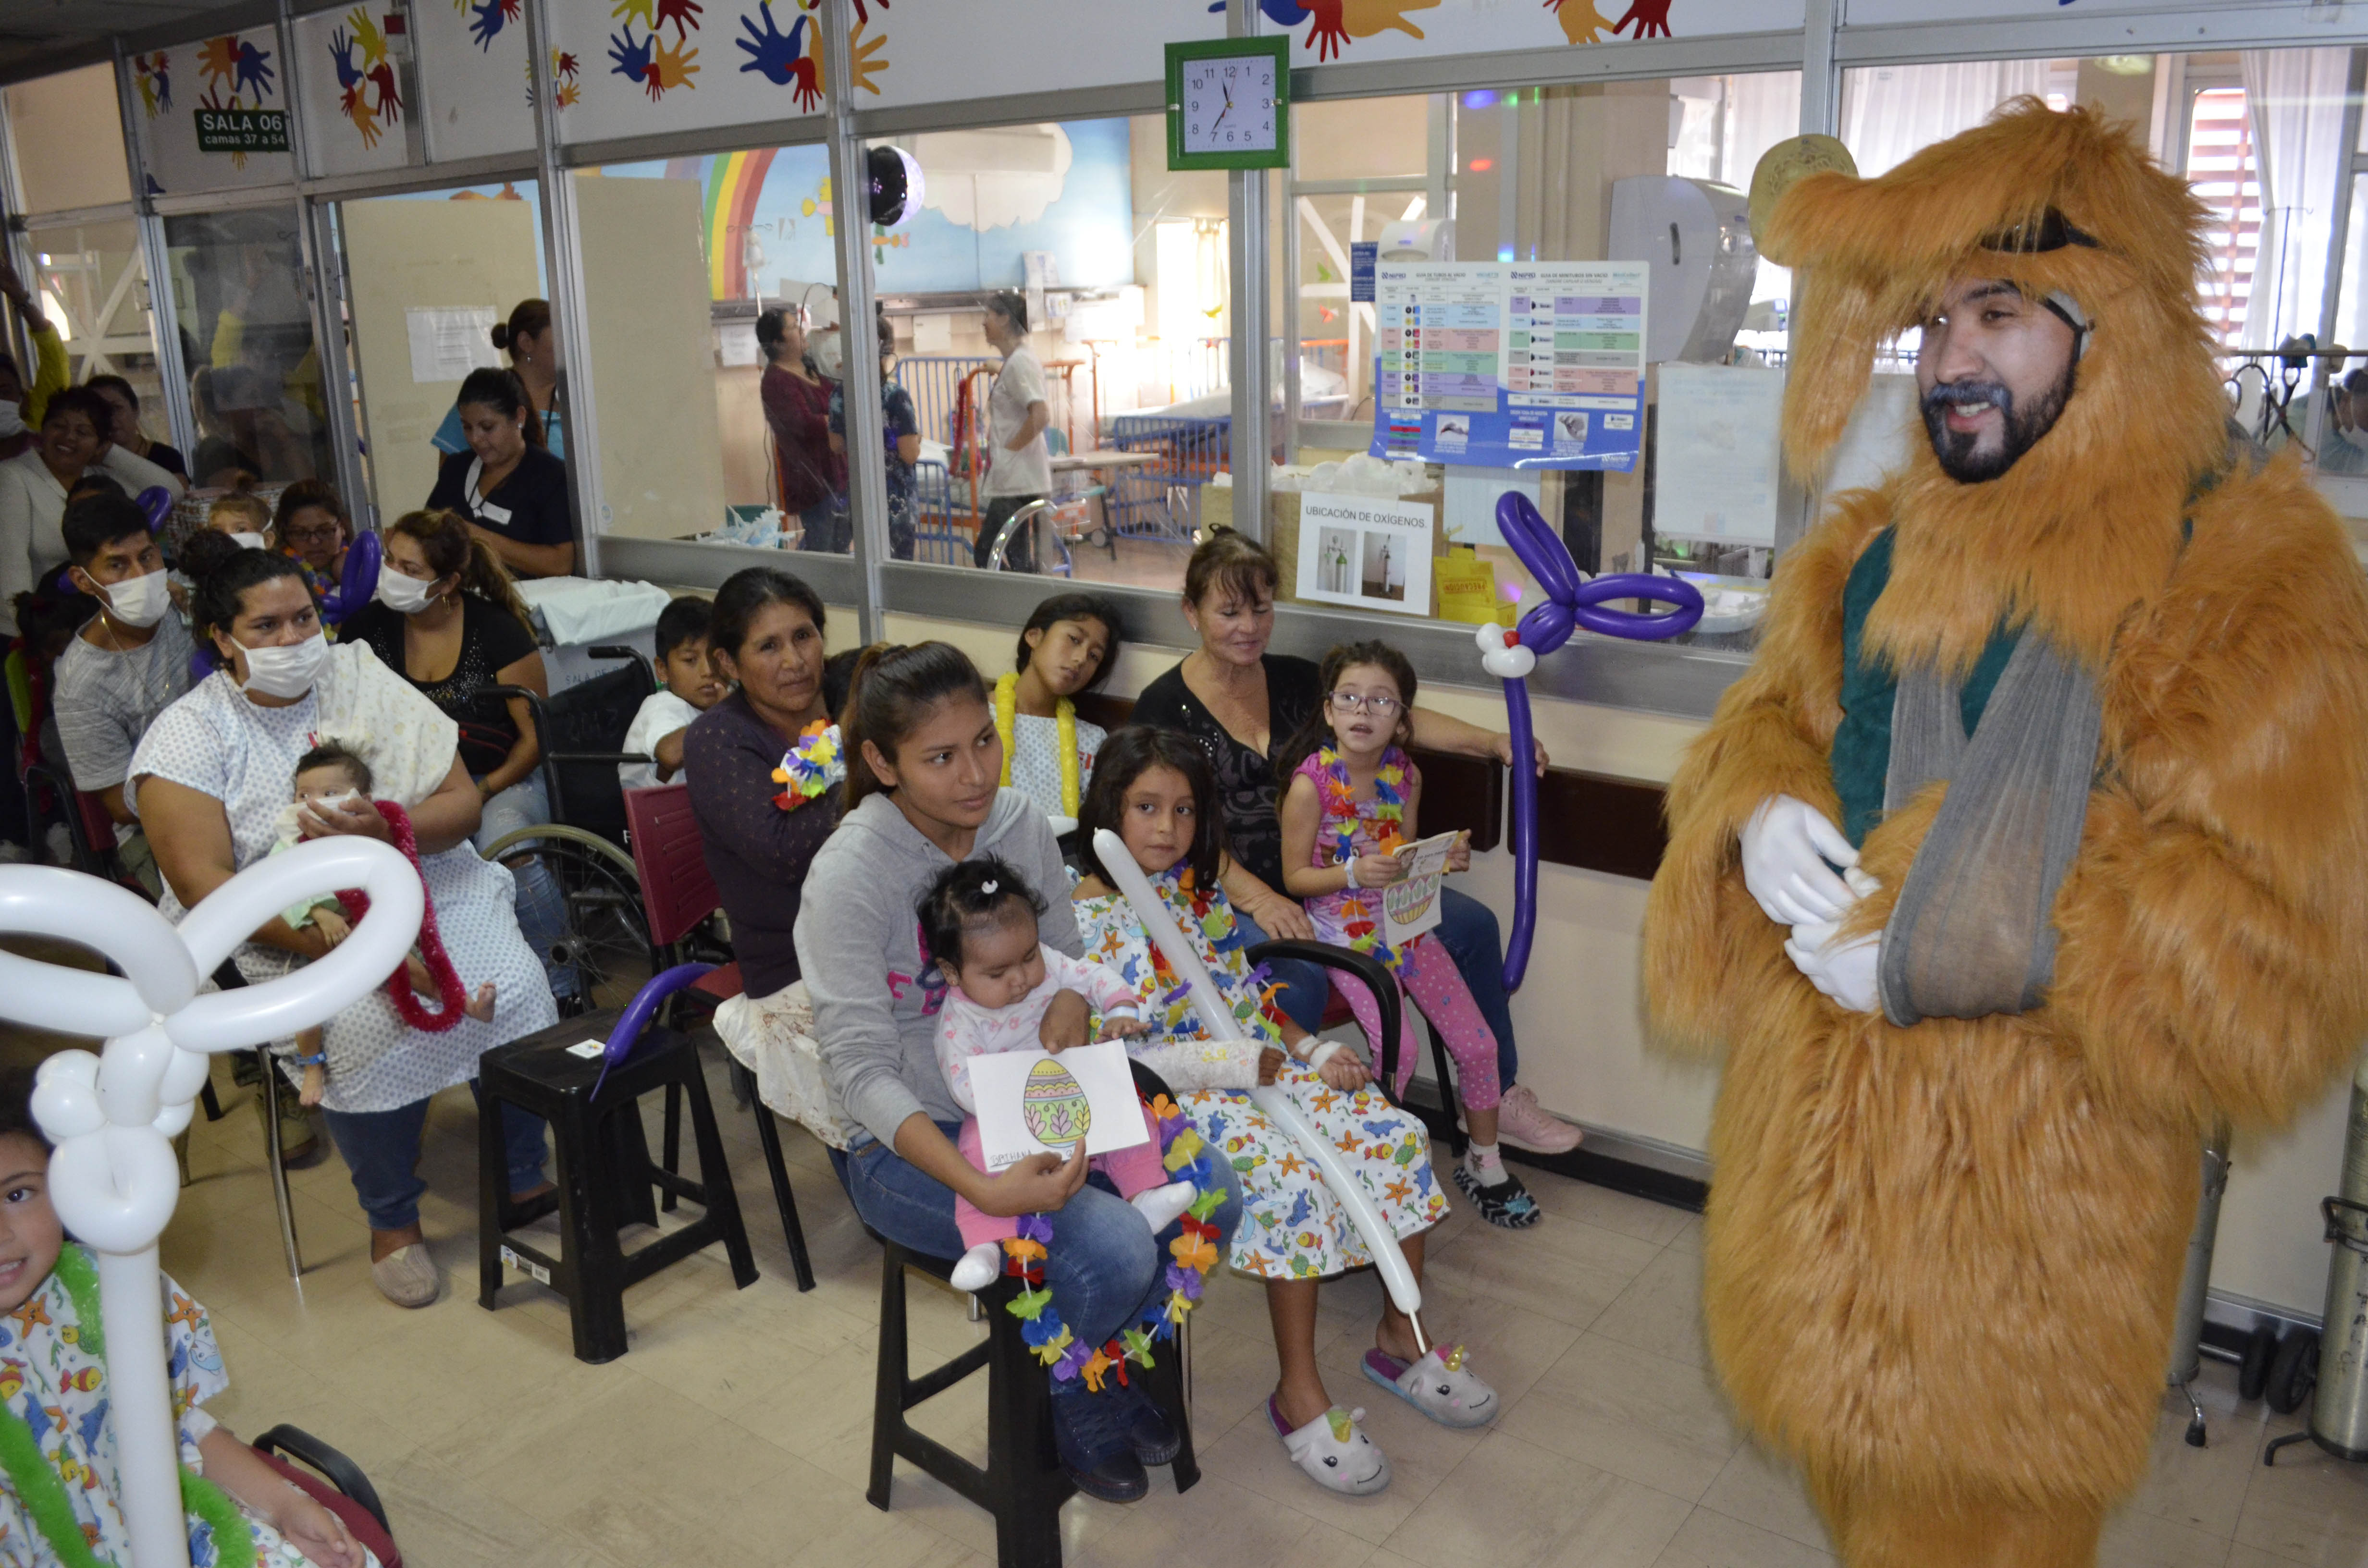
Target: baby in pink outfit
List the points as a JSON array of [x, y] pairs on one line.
[[978, 925]]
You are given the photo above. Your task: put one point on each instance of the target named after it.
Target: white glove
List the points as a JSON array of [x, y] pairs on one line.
[[1846, 972], [1786, 846]]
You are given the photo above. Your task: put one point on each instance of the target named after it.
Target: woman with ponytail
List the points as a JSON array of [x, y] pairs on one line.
[[923, 762], [448, 618]]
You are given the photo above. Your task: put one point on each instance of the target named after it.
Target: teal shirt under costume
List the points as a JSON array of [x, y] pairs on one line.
[[1860, 755]]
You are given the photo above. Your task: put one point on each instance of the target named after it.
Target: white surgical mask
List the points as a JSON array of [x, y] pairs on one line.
[[139, 601], [404, 595], [285, 672], [252, 541]]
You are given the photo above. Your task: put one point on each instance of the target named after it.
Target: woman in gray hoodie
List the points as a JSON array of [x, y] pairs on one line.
[[923, 766]]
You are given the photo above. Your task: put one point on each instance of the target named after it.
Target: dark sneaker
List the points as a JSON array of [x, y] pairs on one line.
[[1148, 1431], [1094, 1447], [1506, 1204]]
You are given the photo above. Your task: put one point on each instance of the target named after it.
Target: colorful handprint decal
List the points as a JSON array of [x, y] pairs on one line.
[[154, 73], [359, 51], [658, 67], [235, 65], [487, 18], [1334, 25], [781, 58]]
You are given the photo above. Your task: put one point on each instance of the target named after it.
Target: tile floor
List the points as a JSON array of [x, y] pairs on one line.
[[738, 1427]]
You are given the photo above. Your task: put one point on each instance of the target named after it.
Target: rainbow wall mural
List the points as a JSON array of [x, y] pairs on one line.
[[734, 183]]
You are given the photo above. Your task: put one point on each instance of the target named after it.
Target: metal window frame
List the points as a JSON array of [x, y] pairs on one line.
[[1677, 681]]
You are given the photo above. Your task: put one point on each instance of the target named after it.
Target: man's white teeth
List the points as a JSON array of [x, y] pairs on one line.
[[1969, 409]]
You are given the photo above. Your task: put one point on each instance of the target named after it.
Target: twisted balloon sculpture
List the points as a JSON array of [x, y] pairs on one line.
[[113, 1117], [1217, 1016], [1571, 600]]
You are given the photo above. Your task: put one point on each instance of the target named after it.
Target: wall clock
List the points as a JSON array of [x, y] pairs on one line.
[[1229, 104]]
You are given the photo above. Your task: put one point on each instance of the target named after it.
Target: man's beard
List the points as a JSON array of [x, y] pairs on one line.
[[1959, 455]]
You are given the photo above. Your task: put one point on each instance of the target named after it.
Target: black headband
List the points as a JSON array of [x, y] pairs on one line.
[[2049, 232]]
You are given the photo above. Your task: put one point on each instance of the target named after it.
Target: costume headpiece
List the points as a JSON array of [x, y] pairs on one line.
[[2064, 204]]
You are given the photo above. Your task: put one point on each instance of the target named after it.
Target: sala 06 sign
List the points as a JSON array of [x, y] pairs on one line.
[[242, 130]]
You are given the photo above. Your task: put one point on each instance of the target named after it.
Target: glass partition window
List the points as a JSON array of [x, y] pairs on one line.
[[428, 276], [257, 389], [65, 134]]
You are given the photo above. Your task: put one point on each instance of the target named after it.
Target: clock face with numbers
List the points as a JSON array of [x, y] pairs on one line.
[[1229, 104]]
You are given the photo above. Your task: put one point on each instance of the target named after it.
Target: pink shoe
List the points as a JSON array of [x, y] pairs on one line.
[[1524, 1124]]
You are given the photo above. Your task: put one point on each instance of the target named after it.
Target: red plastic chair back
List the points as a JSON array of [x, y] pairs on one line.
[[97, 827], [677, 891], [358, 1519]]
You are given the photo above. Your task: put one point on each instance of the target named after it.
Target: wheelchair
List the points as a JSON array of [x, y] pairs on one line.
[[582, 733]]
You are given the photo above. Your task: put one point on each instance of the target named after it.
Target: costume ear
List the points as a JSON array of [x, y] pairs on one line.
[[1836, 328]]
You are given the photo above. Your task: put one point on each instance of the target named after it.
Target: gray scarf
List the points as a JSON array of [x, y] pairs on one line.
[[1973, 933]]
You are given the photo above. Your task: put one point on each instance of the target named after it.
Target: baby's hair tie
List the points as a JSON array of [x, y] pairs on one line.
[[989, 886]]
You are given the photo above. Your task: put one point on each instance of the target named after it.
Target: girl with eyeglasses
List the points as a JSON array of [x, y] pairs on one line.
[[1352, 803]]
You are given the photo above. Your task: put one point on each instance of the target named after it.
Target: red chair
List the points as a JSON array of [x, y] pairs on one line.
[[677, 897]]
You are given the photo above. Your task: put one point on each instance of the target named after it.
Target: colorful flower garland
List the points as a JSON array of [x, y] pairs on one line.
[[1065, 720], [1339, 792], [451, 996], [1186, 1159], [814, 767], [36, 1480]]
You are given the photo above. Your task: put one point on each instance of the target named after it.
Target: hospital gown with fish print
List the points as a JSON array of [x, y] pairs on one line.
[[50, 1382], [1292, 1228]]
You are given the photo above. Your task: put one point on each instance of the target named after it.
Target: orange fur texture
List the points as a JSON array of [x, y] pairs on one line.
[[1941, 1262]]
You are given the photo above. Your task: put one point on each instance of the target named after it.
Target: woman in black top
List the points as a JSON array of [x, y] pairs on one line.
[[1242, 704], [510, 492], [447, 619], [766, 633]]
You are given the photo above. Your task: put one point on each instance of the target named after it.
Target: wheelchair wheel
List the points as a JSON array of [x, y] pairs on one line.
[[604, 939]]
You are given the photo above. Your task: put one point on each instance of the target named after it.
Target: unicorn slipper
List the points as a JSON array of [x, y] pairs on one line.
[[1334, 1452], [1441, 1385]]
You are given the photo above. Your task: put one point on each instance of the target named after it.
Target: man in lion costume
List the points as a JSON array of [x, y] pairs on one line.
[[2033, 843]]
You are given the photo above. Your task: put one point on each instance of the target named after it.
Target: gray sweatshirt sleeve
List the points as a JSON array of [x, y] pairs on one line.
[[1032, 846], [843, 933]]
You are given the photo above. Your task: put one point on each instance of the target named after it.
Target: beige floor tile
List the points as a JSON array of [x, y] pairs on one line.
[[2203, 1489], [1561, 1268], [1518, 1505], [1757, 1489], [1688, 1237], [1711, 1540], [2310, 1508], [1661, 1311], [1606, 1209], [1641, 1416], [1421, 1455], [2134, 1539]]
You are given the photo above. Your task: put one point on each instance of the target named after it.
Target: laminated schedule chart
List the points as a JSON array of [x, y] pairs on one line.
[[1511, 364]]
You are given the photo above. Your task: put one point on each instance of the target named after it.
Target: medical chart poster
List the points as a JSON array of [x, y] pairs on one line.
[[1511, 364], [1365, 551]]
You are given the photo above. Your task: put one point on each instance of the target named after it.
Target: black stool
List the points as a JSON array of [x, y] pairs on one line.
[[1022, 1484], [605, 1172]]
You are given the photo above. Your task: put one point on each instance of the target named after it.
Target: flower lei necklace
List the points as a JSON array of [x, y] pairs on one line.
[[35, 1481], [1065, 720], [814, 767], [451, 996], [1340, 795], [1186, 1159]]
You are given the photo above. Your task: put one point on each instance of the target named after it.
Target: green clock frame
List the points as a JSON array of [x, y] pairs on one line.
[[1277, 49]]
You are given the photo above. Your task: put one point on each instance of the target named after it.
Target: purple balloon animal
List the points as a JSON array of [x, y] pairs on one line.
[[1570, 602]]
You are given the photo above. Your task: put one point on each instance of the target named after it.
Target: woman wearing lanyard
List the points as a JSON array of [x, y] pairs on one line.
[[1016, 417], [511, 491]]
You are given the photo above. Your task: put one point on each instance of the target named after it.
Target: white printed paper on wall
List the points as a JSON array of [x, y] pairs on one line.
[[1715, 467], [1030, 1102], [449, 341], [1365, 551]]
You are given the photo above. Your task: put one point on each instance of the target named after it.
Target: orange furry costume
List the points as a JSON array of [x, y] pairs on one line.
[[1940, 1261]]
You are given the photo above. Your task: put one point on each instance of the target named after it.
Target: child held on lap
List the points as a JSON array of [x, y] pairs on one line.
[[59, 1487], [326, 776], [1351, 803], [1068, 647], [978, 925], [692, 686]]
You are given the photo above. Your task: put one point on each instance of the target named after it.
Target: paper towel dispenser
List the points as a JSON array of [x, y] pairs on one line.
[[1697, 234], [1417, 239]]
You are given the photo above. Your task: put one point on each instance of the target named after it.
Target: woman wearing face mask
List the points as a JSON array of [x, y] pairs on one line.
[[508, 489], [33, 488], [448, 619], [210, 780]]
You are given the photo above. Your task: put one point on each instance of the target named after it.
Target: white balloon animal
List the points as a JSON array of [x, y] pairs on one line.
[[113, 1116], [1389, 1258]]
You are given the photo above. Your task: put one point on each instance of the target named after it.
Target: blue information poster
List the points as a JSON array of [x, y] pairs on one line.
[[1363, 257], [1511, 364]]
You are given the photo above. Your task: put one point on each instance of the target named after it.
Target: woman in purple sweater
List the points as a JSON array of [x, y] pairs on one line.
[[766, 633]]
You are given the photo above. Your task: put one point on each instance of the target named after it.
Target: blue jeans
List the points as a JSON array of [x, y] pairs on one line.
[[1467, 929], [541, 906], [1105, 1269], [1306, 987], [382, 1150]]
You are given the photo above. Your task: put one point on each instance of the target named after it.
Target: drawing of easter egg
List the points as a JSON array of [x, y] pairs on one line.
[[1053, 1107]]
